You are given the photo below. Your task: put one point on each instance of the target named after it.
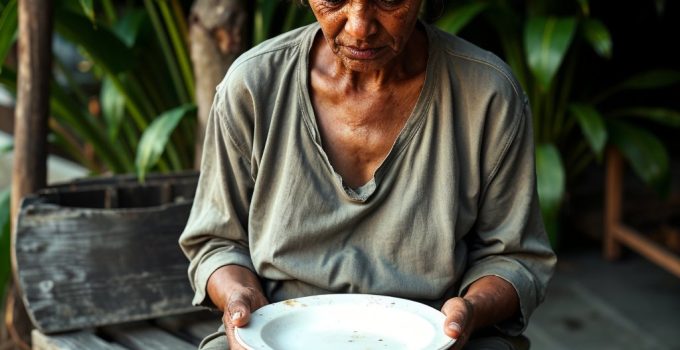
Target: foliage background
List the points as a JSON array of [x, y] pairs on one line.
[[127, 104]]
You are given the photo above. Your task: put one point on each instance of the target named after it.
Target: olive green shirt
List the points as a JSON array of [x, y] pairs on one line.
[[455, 199]]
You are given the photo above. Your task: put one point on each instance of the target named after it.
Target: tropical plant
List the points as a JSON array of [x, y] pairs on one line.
[[140, 61], [543, 42]]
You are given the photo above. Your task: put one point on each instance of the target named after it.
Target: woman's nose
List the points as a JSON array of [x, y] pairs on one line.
[[360, 20]]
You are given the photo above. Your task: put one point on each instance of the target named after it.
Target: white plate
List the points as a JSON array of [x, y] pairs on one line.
[[345, 321]]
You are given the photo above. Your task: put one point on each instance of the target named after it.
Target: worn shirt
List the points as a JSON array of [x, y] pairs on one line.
[[455, 199]]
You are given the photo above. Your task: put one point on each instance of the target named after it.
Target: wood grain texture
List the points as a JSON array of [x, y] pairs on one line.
[[81, 267], [191, 327], [143, 337], [71, 341]]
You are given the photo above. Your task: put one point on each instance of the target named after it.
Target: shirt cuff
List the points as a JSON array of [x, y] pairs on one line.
[[520, 279], [208, 265]]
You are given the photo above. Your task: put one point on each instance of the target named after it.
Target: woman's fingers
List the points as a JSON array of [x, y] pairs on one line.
[[231, 337]]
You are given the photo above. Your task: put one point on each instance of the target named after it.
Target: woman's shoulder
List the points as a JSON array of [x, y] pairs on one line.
[[274, 51], [466, 58]]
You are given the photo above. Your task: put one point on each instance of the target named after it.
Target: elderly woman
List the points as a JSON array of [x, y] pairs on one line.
[[370, 153]]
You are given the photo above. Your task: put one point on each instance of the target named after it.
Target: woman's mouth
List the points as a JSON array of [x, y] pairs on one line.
[[356, 53]]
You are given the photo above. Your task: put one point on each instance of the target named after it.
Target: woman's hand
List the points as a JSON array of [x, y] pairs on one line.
[[488, 301], [237, 292], [458, 324]]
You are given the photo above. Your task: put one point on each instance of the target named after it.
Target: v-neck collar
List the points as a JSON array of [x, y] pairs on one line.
[[408, 131]]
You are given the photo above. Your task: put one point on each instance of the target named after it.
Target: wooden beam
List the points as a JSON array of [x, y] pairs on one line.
[[648, 248], [613, 199], [29, 171]]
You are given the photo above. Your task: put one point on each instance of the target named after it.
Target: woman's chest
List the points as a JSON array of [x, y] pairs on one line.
[[358, 133]]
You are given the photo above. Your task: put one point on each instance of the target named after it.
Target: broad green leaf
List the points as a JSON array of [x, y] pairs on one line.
[[113, 107], [653, 79], [551, 177], [5, 264], [156, 136], [88, 9], [593, 126], [644, 152], [546, 42], [105, 48], [127, 28], [8, 29], [598, 36], [551, 182], [664, 116], [454, 20]]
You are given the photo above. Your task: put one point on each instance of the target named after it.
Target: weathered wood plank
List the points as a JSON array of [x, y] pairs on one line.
[[191, 327], [71, 341], [145, 336], [82, 267]]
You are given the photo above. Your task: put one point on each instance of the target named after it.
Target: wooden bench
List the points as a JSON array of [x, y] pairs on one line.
[[99, 266]]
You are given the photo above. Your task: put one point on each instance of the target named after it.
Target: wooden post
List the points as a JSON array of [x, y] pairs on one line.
[[219, 33], [29, 171], [612, 206]]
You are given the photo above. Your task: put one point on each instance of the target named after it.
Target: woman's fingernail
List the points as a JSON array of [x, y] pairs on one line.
[[236, 315], [454, 327]]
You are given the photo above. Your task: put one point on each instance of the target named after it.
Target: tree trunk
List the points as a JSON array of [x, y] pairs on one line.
[[29, 171], [220, 32]]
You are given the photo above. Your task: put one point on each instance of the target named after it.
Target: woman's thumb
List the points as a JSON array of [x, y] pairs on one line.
[[238, 311]]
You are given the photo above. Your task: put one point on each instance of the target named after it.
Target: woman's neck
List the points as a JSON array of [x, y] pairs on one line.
[[412, 61]]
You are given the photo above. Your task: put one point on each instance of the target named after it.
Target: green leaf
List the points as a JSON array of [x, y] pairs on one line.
[[598, 36], [546, 42], [550, 182], [644, 152], [156, 136], [128, 27], [105, 48], [5, 263], [113, 107], [454, 20], [653, 79], [593, 126], [8, 29], [551, 177], [88, 9], [7, 148], [664, 116]]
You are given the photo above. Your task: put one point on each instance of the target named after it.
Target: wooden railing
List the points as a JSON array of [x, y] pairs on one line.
[[617, 233]]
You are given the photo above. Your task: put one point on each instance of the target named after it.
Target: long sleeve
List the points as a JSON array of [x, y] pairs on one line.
[[509, 240], [216, 233]]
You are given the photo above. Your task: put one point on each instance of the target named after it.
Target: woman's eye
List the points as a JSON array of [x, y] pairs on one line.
[[390, 3]]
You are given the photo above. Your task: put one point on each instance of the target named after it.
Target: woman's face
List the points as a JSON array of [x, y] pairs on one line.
[[366, 34]]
